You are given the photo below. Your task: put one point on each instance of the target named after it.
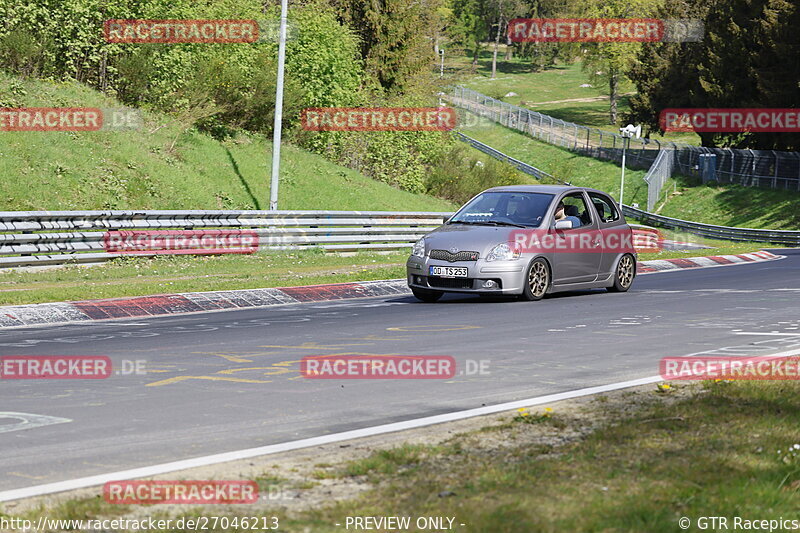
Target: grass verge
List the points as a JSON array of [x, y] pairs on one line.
[[635, 460], [138, 276]]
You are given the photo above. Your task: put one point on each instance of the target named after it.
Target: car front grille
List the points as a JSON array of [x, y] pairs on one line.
[[446, 255], [449, 283]]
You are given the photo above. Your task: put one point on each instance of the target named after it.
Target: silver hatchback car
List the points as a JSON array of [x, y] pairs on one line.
[[526, 240]]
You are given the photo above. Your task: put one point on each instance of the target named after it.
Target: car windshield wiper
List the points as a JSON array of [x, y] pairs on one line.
[[488, 223], [502, 223]]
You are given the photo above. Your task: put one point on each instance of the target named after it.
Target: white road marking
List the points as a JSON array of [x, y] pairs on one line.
[[164, 468], [771, 333], [148, 471], [28, 421]]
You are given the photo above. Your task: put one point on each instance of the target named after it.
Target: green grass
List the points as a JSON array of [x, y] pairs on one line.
[[142, 170], [713, 454], [171, 274], [544, 91], [564, 165], [683, 198]]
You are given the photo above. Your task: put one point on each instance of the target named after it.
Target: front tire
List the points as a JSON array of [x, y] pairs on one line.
[[537, 280], [623, 277], [426, 295]]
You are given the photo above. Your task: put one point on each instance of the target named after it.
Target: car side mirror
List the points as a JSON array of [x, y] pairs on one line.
[[563, 224]]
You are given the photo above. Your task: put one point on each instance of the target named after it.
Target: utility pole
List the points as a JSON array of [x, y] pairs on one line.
[[276, 133]]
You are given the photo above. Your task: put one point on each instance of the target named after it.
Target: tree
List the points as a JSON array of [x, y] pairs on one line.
[[395, 38], [748, 58], [468, 27], [608, 62]]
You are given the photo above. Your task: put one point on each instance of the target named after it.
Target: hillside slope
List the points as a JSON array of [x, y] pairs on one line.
[[163, 167]]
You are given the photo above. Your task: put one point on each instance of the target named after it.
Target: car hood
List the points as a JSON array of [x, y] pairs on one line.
[[479, 239]]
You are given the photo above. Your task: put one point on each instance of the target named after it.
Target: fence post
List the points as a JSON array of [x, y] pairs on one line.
[[775, 175]]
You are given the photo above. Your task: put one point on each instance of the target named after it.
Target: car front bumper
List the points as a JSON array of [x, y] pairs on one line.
[[507, 277]]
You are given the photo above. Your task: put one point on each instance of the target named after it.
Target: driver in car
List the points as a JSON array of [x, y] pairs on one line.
[[562, 215]]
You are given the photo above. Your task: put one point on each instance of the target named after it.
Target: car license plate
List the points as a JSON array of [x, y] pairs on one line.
[[448, 272]]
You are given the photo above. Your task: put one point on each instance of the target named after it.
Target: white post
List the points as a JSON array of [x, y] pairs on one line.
[[441, 66], [276, 134], [625, 141]]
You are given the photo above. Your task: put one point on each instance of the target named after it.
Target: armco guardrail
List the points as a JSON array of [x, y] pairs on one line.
[[725, 233], [60, 237], [497, 154]]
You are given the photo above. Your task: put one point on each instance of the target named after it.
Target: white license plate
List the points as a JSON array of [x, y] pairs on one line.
[[448, 272]]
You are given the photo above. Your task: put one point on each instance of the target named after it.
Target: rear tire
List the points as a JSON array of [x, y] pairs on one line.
[[426, 295], [623, 277], [537, 280]]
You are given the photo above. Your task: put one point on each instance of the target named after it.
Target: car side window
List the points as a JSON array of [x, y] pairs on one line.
[[606, 209], [576, 210]]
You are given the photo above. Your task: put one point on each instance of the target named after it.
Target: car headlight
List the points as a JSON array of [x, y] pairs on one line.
[[503, 252], [419, 248]]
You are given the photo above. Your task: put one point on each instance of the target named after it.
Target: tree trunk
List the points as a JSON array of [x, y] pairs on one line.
[[613, 83], [496, 44]]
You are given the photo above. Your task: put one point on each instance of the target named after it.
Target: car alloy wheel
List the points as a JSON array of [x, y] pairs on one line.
[[537, 280], [626, 270]]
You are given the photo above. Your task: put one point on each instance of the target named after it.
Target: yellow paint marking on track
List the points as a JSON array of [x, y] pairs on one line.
[[424, 328], [19, 474], [377, 338], [231, 358], [275, 371], [313, 346], [332, 355], [240, 358], [178, 379]]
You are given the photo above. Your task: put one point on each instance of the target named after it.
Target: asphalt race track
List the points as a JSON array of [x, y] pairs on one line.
[[230, 380]]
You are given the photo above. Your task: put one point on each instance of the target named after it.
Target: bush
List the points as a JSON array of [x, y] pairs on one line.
[[458, 175]]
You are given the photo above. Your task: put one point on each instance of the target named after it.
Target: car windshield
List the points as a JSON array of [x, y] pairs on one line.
[[526, 209]]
